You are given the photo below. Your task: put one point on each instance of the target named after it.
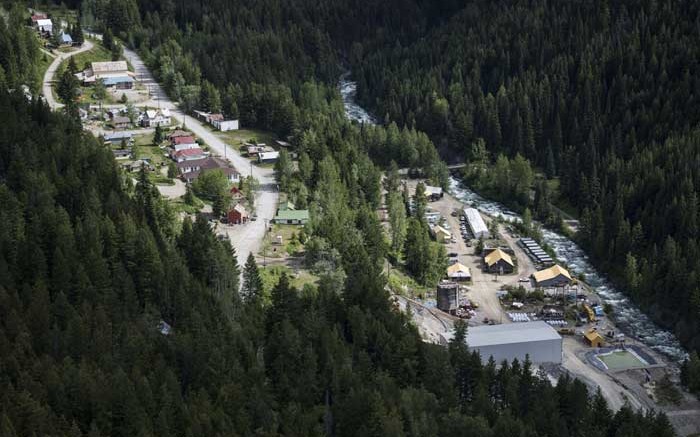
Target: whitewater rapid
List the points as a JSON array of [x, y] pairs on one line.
[[632, 321]]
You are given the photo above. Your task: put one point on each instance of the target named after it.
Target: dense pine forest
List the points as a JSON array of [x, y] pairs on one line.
[[598, 96], [115, 320]]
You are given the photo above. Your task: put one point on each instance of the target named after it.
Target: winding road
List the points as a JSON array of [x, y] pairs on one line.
[[246, 238], [51, 72]]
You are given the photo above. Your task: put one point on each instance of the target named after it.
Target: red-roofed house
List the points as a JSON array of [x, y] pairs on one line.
[[237, 215], [189, 155]]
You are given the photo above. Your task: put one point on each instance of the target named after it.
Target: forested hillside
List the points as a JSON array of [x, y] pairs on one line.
[[602, 95], [91, 266]]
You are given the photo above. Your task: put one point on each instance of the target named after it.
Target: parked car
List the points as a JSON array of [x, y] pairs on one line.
[[453, 254]]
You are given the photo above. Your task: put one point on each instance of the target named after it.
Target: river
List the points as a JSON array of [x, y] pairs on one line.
[[630, 319]]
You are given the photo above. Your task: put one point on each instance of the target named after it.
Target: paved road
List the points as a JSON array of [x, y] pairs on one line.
[[51, 71]]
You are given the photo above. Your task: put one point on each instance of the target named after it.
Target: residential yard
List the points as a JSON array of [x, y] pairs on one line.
[[291, 246], [236, 138], [270, 275], [97, 54]]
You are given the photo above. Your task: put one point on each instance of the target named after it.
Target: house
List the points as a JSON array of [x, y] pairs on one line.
[[153, 118], [65, 39], [177, 133], [291, 217], [118, 137], [236, 194], [497, 261], [593, 338], [121, 153], [38, 16], [554, 276], [113, 74], [441, 234], [177, 141], [231, 174], [189, 155], [226, 125], [185, 146], [120, 122], [44, 26], [268, 157], [237, 215], [433, 193], [459, 272], [191, 169]]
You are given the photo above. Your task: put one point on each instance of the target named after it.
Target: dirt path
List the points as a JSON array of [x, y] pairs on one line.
[[51, 72]]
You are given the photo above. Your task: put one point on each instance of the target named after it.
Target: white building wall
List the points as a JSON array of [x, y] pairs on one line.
[[227, 125], [545, 351]]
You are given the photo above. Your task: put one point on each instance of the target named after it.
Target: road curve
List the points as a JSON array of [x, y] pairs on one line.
[[51, 71]]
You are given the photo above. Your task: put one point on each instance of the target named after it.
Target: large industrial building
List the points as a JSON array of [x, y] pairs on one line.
[[497, 261], [476, 223], [538, 340]]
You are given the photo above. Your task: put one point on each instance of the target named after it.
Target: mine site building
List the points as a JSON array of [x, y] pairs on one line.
[[113, 74], [510, 341], [593, 338], [497, 261], [441, 234], [459, 272], [476, 223], [448, 296], [555, 276]]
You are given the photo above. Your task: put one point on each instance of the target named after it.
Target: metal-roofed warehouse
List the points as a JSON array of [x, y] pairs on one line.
[[476, 223], [539, 340]]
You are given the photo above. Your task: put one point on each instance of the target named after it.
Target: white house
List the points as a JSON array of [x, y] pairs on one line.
[[44, 25], [153, 118]]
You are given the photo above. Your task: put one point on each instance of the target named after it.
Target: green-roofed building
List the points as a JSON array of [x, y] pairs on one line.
[[291, 217]]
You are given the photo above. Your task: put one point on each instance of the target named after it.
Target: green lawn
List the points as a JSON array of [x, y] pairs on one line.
[[97, 54], [270, 276], [144, 148], [236, 138]]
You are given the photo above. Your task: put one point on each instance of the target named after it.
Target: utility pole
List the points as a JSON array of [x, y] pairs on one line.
[[265, 245]]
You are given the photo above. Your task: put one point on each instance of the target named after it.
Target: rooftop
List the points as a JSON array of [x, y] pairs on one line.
[[510, 333], [496, 255], [109, 67], [552, 272]]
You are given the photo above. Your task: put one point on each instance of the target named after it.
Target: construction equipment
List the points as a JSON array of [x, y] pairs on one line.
[[589, 313]]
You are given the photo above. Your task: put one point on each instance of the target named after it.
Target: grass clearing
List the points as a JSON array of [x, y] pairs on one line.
[[400, 283], [620, 359], [236, 138], [270, 276], [290, 244]]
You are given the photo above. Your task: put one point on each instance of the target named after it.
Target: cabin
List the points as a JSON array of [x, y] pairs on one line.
[[189, 155], [120, 122], [44, 26], [237, 215], [458, 272], [119, 137], [497, 261]]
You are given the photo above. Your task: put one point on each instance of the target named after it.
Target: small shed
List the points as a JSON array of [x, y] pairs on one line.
[[593, 338], [268, 157], [459, 272], [497, 261]]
